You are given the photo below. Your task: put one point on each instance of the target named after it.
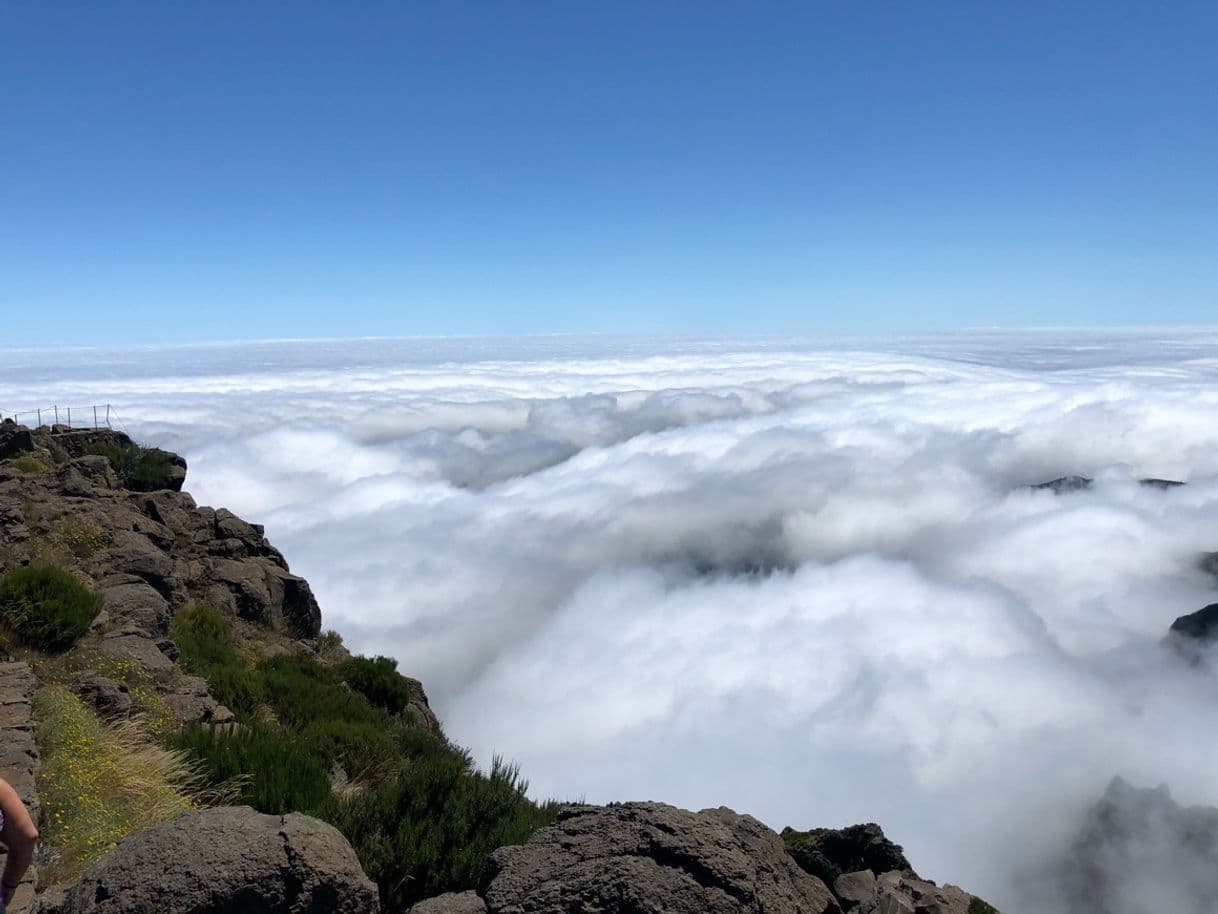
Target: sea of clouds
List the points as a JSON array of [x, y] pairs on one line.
[[806, 581]]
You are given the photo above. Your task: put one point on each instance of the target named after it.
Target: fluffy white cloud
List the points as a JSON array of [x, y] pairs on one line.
[[809, 583]]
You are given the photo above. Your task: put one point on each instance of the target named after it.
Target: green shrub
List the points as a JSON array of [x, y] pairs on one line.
[[302, 691], [430, 830], [366, 751], [378, 680], [278, 774], [27, 464], [977, 906], [46, 607], [204, 638], [139, 468]]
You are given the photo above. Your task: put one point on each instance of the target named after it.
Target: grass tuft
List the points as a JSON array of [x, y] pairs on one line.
[[100, 782], [46, 607]]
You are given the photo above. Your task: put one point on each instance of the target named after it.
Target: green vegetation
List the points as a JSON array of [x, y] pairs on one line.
[[431, 829], [139, 468], [275, 775], [977, 906], [378, 680], [27, 464], [82, 538], [204, 639], [98, 782], [421, 817], [46, 607]]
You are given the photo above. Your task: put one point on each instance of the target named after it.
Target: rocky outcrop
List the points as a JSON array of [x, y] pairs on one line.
[[1139, 852], [827, 853], [648, 858], [148, 552], [896, 893], [223, 861], [1064, 484], [1199, 626]]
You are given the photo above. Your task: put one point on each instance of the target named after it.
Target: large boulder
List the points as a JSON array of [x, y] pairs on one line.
[[650, 858], [224, 861]]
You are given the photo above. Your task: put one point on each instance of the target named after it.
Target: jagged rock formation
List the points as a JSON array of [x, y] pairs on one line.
[[148, 552], [1064, 484], [827, 853], [1139, 852], [222, 861], [649, 857]]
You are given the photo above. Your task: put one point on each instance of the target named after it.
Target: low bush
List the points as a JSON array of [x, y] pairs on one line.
[[378, 680], [27, 464], [430, 830], [274, 773], [98, 783], [46, 607], [139, 468], [206, 647], [82, 538]]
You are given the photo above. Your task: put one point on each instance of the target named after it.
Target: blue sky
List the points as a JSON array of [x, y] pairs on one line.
[[174, 172]]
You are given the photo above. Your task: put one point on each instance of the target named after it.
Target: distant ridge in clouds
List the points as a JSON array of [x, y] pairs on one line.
[[809, 583]]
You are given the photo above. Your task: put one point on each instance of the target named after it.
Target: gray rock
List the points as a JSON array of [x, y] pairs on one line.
[[192, 702], [650, 858], [15, 440], [1064, 485], [828, 852], [139, 603], [897, 893], [133, 553], [853, 889], [452, 903], [109, 697], [137, 645], [225, 861]]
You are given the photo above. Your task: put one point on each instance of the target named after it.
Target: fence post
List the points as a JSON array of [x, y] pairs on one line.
[[107, 415], [69, 417], [95, 417], [40, 418], [56, 413]]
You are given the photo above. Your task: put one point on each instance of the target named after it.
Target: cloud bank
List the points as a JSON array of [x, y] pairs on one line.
[[808, 582]]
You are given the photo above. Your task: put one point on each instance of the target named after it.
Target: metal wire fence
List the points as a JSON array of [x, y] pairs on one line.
[[101, 415]]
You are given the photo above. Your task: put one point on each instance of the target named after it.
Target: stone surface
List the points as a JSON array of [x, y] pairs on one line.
[[853, 889], [650, 858], [139, 603], [137, 645], [224, 861], [897, 892], [108, 697], [19, 754], [452, 903], [191, 701]]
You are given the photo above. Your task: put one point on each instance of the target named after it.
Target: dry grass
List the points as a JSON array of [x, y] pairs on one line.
[[99, 782]]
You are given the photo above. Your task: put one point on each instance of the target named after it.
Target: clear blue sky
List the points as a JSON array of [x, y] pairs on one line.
[[173, 171]]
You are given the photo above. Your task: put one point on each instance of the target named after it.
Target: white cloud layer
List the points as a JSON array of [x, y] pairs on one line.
[[806, 582]]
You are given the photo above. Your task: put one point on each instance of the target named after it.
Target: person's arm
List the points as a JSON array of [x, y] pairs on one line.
[[19, 835]]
